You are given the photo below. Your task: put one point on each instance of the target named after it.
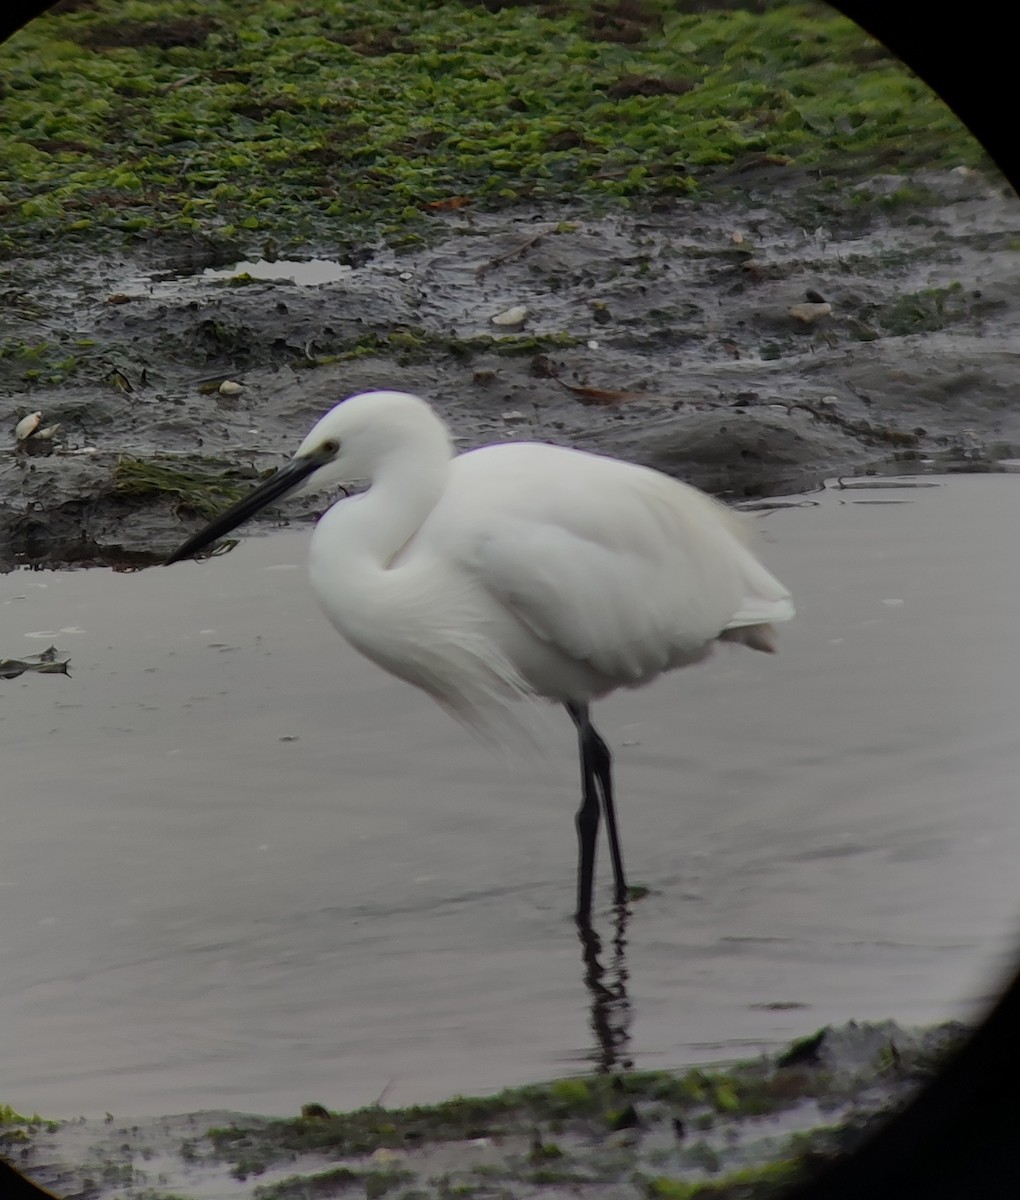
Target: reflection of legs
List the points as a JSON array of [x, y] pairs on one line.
[[610, 1006], [619, 975], [597, 793]]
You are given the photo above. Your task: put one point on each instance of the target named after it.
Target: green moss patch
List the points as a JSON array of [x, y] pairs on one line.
[[340, 122], [601, 1104], [17, 1129]]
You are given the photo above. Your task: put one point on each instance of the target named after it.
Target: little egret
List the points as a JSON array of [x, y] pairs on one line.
[[519, 570]]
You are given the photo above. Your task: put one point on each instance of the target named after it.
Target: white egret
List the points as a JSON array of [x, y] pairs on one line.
[[519, 570]]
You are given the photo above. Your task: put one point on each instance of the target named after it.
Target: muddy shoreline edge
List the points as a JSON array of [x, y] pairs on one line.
[[747, 1131], [752, 345]]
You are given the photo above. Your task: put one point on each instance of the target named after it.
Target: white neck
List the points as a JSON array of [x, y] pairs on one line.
[[371, 529]]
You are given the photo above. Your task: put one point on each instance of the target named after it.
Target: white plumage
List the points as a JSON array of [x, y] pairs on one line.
[[517, 570]]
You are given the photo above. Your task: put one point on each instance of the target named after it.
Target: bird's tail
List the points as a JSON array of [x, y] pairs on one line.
[[758, 637]]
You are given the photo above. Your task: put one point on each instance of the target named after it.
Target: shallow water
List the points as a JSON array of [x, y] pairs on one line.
[[241, 867]]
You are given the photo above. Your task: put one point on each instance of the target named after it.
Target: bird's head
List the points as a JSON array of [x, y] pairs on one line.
[[350, 443]]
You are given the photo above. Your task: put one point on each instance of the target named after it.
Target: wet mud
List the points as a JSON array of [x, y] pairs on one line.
[[753, 344]]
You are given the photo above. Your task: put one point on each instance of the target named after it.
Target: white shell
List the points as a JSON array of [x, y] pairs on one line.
[[511, 316], [809, 313], [27, 426], [230, 387], [47, 434]]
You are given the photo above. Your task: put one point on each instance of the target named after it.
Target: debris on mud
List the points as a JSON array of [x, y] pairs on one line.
[[49, 662]]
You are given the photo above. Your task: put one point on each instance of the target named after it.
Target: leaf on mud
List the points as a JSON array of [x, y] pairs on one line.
[[119, 380], [761, 160], [50, 662], [603, 396], [449, 203], [649, 85], [506, 255]]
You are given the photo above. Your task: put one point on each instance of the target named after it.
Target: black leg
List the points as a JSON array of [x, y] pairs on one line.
[[596, 783], [603, 764], [587, 822]]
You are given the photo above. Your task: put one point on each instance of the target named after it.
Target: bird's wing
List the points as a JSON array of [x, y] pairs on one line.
[[616, 565]]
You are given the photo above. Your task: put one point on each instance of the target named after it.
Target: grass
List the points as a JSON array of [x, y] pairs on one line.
[[276, 124]]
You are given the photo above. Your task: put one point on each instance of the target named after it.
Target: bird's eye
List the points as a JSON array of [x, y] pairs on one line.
[[331, 447]]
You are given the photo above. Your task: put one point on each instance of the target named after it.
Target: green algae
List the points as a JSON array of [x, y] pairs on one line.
[[346, 122], [604, 1103], [418, 345], [17, 1129], [749, 1183], [370, 1183]]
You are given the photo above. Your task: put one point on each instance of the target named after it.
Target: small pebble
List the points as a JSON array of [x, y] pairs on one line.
[[230, 387]]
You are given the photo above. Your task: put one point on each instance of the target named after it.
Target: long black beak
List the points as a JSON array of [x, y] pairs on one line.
[[285, 480]]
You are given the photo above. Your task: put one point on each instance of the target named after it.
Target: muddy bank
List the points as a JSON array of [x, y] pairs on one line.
[[744, 1132], [787, 330]]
